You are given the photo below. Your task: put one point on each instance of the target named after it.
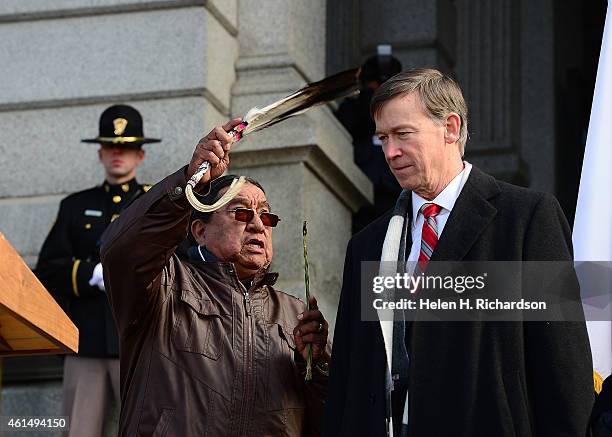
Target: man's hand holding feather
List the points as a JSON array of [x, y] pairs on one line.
[[213, 148]]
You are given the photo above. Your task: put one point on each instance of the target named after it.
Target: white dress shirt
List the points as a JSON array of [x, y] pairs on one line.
[[446, 199]]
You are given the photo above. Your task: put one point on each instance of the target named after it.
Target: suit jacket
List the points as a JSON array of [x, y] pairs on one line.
[[70, 253], [468, 378]]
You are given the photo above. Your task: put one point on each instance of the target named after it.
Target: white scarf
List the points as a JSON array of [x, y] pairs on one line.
[[393, 255]]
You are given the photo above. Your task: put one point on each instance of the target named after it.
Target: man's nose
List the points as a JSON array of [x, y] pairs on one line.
[[391, 150], [116, 151], [256, 224]]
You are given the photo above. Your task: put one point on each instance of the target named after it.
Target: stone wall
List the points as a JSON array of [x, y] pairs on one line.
[[500, 51], [306, 163], [63, 62], [186, 66]]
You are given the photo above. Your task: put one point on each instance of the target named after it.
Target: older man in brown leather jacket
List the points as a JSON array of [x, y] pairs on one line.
[[209, 347]]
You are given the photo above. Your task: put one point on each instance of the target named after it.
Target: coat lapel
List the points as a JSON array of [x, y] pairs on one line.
[[469, 218]]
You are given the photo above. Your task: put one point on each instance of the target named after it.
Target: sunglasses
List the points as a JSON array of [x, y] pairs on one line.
[[246, 215]]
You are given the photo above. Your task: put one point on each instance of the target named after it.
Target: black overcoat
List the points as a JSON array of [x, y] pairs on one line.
[[489, 379]]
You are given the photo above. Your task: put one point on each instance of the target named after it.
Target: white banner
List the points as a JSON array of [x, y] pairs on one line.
[[592, 234]]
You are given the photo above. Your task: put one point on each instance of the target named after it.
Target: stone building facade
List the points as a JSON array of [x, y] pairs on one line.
[[188, 65]]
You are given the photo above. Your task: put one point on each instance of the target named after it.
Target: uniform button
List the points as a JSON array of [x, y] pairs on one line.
[[178, 191], [116, 199]]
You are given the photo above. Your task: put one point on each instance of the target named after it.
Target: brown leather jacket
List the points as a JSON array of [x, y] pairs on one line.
[[200, 354]]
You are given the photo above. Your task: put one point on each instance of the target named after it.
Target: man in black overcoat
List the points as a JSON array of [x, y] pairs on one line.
[[460, 379]]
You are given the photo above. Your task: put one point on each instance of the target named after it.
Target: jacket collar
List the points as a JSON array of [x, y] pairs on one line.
[[121, 189], [200, 254], [211, 262], [265, 277]]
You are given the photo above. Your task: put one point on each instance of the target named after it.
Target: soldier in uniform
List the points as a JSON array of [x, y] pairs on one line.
[[69, 266]]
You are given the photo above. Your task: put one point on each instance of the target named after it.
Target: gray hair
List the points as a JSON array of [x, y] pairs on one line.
[[439, 94]]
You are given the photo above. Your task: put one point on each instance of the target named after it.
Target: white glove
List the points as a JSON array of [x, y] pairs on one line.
[[97, 279]]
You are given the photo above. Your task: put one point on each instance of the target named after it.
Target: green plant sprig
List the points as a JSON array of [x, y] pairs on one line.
[[307, 286]]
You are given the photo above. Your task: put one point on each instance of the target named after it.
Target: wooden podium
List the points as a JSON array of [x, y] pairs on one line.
[[31, 322]]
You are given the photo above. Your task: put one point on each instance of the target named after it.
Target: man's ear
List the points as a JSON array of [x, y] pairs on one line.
[[141, 155], [198, 231], [100, 154], [453, 127]]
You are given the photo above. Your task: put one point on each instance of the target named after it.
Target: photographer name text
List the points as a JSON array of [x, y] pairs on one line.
[[430, 304]]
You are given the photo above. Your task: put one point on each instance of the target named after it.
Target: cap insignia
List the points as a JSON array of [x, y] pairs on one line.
[[120, 124]]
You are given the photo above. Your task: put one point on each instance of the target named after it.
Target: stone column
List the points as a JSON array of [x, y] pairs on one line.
[[422, 32], [305, 163], [504, 67], [538, 106], [488, 71]]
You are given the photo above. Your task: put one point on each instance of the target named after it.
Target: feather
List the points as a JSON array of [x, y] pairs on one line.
[[333, 87]]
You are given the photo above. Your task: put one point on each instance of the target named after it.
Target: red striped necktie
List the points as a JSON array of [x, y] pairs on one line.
[[429, 235]]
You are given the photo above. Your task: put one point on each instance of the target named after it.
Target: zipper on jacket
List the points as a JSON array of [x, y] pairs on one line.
[[248, 367], [246, 303]]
